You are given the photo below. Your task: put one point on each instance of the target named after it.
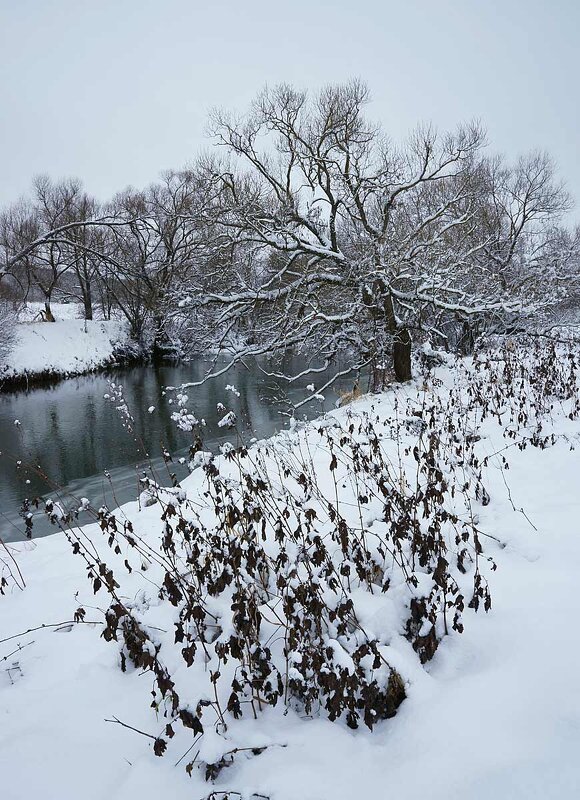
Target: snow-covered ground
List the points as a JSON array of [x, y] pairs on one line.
[[31, 312], [495, 714], [69, 346]]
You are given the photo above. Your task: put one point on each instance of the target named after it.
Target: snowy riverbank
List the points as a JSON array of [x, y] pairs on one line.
[[69, 346], [495, 714]]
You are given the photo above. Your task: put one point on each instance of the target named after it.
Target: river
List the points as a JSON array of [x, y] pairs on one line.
[[69, 437]]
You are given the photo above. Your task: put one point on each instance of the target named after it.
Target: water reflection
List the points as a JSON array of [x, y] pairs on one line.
[[69, 434]]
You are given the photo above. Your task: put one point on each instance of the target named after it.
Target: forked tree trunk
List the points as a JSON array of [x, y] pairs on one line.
[[401, 343]]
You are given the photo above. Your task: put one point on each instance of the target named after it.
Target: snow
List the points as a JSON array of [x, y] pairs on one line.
[[496, 714], [228, 420], [31, 312], [64, 347]]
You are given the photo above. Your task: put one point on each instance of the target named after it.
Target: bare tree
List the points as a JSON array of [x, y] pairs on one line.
[[85, 248], [18, 228], [54, 204], [173, 212], [349, 235]]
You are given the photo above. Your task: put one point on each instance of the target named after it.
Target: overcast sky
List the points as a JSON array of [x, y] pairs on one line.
[[114, 91]]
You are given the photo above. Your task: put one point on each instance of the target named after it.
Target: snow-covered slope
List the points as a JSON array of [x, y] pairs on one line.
[[64, 347], [496, 714], [33, 310]]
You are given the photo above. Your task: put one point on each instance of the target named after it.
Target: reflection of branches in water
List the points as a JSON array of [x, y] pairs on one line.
[[267, 400], [253, 352], [279, 394], [274, 395]]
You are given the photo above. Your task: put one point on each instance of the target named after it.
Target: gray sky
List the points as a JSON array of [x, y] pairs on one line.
[[114, 91]]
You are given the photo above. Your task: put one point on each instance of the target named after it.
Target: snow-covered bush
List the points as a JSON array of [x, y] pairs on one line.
[[273, 578]]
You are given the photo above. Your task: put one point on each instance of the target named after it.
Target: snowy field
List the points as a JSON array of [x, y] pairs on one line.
[[69, 346], [495, 714]]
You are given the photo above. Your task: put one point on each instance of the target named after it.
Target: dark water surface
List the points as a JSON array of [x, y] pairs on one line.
[[69, 435]]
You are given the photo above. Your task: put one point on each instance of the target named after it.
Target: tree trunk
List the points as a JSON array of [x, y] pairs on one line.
[[401, 343], [88, 304], [48, 315], [402, 355], [466, 338]]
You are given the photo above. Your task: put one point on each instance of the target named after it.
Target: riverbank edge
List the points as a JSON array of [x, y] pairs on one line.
[[50, 377]]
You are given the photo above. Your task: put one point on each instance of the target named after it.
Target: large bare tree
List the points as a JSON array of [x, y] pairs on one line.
[[351, 238]]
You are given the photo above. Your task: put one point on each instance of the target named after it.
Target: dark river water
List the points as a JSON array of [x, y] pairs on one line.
[[69, 436]]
